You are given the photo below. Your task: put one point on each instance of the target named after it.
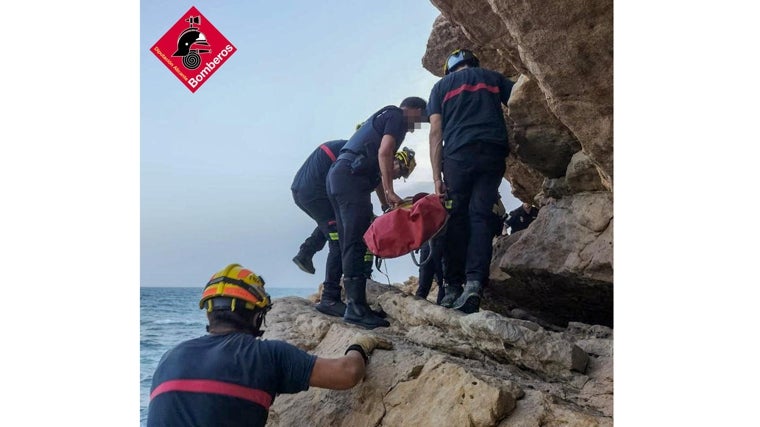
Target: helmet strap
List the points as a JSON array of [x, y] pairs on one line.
[[258, 319]]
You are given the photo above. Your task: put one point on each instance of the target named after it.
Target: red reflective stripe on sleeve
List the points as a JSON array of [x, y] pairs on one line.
[[470, 88], [259, 397], [327, 150]]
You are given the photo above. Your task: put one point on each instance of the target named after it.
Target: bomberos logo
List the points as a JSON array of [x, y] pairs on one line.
[[199, 49]]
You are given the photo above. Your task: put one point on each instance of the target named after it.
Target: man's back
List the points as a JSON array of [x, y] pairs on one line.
[[227, 379], [469, 101], [312, 174]]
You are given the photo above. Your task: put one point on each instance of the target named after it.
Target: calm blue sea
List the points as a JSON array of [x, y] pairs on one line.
[[169, 316]]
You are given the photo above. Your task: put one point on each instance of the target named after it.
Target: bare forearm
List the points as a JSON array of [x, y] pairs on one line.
[[386, 172], [436, 146], [338, 374], [436, 154], [381, 197]]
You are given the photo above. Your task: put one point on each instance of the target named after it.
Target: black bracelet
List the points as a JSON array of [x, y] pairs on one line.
[[358, 348]]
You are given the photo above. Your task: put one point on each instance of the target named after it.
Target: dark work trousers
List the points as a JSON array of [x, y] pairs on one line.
[[432, 268], [472, 176], [313, 243], [318, 207], [350, 196]]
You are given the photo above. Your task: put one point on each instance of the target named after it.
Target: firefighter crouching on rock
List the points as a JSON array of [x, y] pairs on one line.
[[230, 377], [310, 194], [365, 162]]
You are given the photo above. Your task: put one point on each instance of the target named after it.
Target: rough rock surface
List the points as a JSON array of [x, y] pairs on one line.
[[565, 46], [447, 368]]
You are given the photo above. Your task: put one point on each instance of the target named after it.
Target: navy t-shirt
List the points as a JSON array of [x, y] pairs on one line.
[[366, 140], [469, 102], [225, 380], [311, 177], [520, 220]]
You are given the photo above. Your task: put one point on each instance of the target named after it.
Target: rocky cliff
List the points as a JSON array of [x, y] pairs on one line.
[[540, 351]]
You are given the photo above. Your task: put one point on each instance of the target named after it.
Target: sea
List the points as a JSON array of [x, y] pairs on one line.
[[169, 316]]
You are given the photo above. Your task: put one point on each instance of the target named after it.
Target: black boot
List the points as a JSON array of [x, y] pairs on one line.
[[469, 301], [358, 311], [452, 293], [303, 261], [330, 303]]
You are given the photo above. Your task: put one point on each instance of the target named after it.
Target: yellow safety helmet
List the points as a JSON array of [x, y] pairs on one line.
[[406, 160], [235, 287]]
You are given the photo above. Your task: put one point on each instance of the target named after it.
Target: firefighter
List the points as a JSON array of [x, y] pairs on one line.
[[310, 195], [468, 150], [230, 377], [365, 164], [520, 218]]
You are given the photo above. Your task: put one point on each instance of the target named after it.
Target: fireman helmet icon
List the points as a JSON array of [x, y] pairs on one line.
[[189, 44]]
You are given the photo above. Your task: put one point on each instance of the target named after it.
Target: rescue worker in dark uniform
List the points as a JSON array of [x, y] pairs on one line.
[[433, 252], [230, 377], [310, 194], [366, 162], [520, 218], [468, 150]]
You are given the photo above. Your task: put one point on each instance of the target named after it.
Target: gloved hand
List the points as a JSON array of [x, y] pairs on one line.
[[368, 343]]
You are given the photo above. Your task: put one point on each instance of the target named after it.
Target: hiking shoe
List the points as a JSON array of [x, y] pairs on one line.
[[304, 263], [469, 301], [452, 294]]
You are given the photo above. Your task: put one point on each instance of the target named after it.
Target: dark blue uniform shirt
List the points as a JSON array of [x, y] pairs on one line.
[[366, 140], [311, 176], [469, 102], [225, 380], [520, 220]]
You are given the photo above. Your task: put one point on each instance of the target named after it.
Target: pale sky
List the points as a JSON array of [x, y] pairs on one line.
[[216, 165]]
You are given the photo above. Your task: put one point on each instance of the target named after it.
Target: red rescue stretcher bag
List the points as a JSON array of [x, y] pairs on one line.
[[407, 227]]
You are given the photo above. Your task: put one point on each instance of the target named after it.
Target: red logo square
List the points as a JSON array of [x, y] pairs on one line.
[[193, 49]]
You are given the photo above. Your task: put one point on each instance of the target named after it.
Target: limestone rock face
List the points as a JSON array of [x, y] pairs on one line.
[[561, 265], [542, 141], [565, 46], [447, 368], [447, 37]]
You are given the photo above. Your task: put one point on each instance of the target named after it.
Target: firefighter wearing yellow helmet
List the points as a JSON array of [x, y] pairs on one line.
[[229, 376], [405, 163], [237, 296]]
